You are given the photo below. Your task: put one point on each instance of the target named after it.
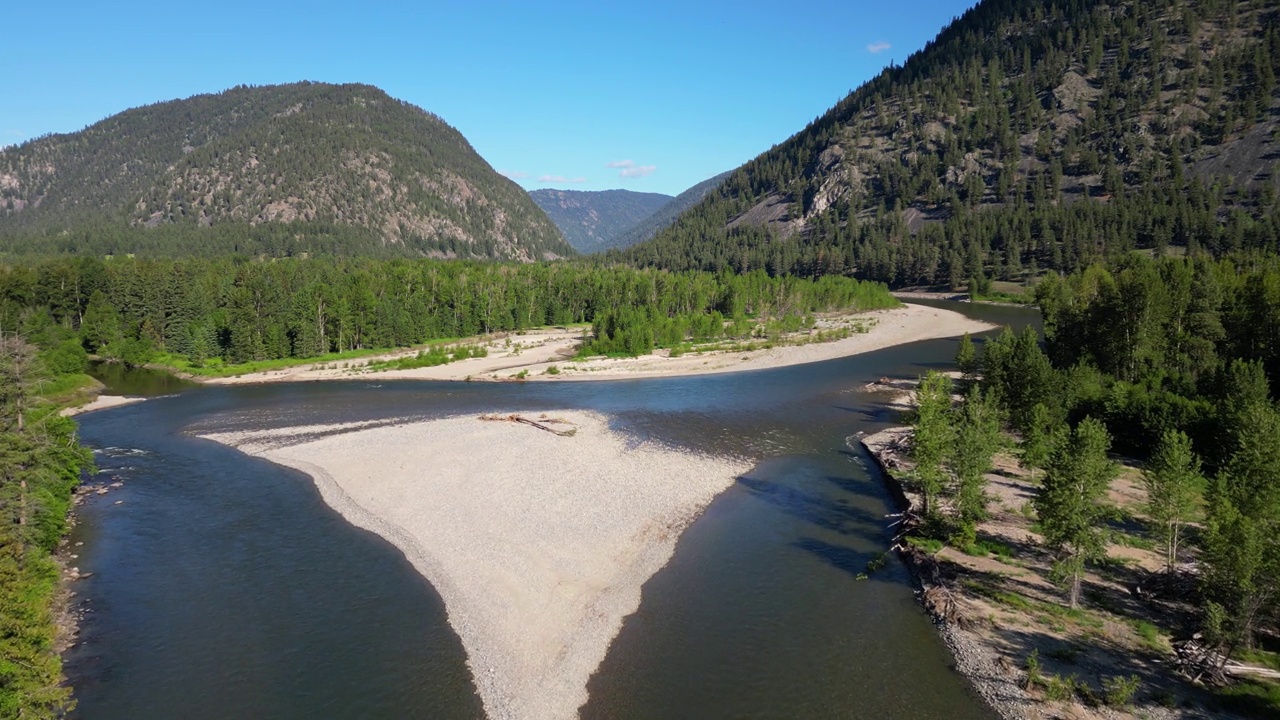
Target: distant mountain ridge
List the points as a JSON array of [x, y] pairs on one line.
[[668, 213], [596, 221], [591, 220], [285, 168]]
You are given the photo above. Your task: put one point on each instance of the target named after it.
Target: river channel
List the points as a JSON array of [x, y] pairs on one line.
[[221, 586]]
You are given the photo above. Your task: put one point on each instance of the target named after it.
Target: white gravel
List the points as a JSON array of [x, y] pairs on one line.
[[539, 544], [531, 356], [102, 402]]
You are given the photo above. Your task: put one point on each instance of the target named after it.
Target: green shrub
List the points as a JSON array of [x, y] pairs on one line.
[[1035, 676], [1060, 689], [66, 358], [1118, 690], [1150, 634]]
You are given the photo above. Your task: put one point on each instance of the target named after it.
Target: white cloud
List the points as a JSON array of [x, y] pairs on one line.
[[878, 47], [621, 164], [638, 172], [560, 179], [514, 174]]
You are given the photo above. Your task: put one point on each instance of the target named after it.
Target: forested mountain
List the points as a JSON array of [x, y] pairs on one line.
[[593, 220], [668, 213], [1026, 135], [306, 167]]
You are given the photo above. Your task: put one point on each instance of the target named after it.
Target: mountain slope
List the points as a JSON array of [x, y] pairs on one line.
[[343, 162], [1025, 136], [592, 220], [667, 214]]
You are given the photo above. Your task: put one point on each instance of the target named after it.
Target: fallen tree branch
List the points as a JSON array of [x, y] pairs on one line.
[[540, 425]]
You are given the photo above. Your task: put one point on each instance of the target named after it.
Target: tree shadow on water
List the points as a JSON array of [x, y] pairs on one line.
[[872, 413], [842, 558], [829, 513]]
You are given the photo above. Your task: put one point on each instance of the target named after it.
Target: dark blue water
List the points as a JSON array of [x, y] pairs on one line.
[[223, 587]]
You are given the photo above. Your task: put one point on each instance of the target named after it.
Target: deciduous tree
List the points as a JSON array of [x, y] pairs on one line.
[[1070, 503], [1173, 481], [934, 436]]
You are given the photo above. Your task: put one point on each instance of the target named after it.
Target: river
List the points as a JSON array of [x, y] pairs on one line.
[[222, 586]]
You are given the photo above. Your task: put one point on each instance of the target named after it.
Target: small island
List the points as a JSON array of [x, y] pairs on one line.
[[538, 530]]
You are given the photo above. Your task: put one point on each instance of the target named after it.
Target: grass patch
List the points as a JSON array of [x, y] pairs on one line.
[[1003, 597], [1255, 698], [217, 367], [1066, 653], [1052, 614], [985, 548], [1261, 658], [1003, 297], [67, 389], [929, 545], [1149, 634], [432, 357]]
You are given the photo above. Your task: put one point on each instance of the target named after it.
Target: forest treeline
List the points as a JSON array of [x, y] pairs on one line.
[[1180, 358], [237, 311], [1172, 361], [1011, 243], [1158, 345], [40, 466]]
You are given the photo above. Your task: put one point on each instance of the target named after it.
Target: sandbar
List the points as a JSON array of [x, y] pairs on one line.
[[538, 543], [102, 402], [549, 354]]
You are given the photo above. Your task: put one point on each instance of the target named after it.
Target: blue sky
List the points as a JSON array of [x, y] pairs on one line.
[[649, 96]]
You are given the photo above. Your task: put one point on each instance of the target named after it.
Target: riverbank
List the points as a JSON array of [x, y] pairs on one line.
[[993, 677], [1024, 651], [101, 402], [550, 355], [539, 551], [931, 295]]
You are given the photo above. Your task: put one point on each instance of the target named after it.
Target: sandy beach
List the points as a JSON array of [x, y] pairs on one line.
[[548, 355], [102, 402], [538, 543]]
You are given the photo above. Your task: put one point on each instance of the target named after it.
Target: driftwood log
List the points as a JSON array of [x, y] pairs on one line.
[[535, 423], [1201, 662]]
